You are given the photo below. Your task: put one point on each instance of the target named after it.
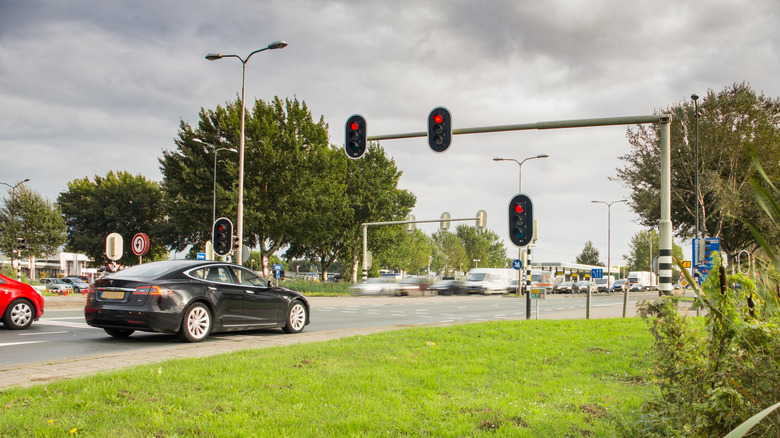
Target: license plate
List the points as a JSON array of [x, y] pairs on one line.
[[112, 295]]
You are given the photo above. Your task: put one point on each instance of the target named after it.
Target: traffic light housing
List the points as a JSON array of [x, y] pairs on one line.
[[521, 220], [355, 136], [222, 236], [439, 129], [21, 244]]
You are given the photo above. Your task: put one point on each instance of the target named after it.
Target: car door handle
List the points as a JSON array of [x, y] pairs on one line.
[[212, 288], [249, 291]]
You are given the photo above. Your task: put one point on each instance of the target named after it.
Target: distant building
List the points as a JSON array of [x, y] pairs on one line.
[[62, 264]]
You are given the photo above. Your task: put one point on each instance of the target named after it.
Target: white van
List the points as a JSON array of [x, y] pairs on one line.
[[488, 281]]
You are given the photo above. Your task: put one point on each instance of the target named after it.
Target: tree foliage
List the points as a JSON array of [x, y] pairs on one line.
[[734, 124], [117, 203], [643, 248], [589, 255], [27, 215]]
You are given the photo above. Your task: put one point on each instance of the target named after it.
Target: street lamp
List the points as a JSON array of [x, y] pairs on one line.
[[19, 251], [609, 246], [214, 192], [520, 168], [240, 218], [522, 253], [696, 166]]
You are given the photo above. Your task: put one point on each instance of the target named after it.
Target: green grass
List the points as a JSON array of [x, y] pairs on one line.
[[318, 289], [518, 378]]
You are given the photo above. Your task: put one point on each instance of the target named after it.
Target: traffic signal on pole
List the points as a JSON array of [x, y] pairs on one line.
[[222, 236], [21, 243], [521, 220], [439, 129], [355, 136]]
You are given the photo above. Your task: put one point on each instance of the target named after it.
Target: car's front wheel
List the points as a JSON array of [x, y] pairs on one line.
[[296, 318], [19, 314], [196, 324]]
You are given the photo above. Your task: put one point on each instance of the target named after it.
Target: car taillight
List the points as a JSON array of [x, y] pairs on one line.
[[153, 290]]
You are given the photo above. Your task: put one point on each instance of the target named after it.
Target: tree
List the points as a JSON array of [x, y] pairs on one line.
[[644, 248], [117, 203], [589, 255], [483, 245], [449, 253], [734, 124], [373, 195], [28, 216]]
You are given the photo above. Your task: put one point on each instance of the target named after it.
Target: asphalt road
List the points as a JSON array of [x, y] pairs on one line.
[[62, 333]]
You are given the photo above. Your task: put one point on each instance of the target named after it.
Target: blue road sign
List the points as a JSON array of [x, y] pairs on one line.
[[201, 256], [596, 273], [517, 264]]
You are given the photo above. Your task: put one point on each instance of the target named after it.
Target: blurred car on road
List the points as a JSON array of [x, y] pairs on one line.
[[20, 304], [376, 286], [79, 285], [585, 286], [192, 298], [620, 285], [412, 286], [567, 287], [447, 287], [637, 287], [56, 286]]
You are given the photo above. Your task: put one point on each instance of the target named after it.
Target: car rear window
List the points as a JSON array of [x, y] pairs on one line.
[[149, 270]]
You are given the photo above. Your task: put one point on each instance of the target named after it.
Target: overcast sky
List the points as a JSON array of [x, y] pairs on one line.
[[87, 87]]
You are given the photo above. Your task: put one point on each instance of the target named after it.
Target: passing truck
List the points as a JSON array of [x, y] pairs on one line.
[[645, 279]]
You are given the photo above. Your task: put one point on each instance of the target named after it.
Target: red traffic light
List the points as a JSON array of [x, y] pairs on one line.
[[519, 208], [354, 126], [439, 129]]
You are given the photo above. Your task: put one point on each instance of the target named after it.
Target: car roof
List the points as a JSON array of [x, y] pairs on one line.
[[166, 267]]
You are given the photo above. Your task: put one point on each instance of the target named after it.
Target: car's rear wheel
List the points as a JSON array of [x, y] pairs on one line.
[[196, 324], [296, 318], [19, 314], [119, 333]]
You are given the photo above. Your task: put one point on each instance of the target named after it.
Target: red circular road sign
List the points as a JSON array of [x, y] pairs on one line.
[[140, 244]]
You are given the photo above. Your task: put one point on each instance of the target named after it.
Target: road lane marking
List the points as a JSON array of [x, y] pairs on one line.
[[13, 344], [42, 333]]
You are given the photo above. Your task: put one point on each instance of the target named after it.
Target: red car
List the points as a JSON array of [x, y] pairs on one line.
[[20, 304]]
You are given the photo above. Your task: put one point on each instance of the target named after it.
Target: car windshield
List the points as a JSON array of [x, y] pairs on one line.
[[477, 276]]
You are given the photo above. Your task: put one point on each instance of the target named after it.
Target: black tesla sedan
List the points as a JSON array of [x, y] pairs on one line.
[[192, 298]]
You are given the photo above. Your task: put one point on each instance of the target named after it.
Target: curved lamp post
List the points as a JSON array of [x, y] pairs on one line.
[[240, 218], [521, 253], [214, 192], [609, 246], [520, 168], [19, 251]]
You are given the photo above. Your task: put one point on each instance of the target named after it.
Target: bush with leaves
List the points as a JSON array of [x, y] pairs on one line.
[[715, 372]]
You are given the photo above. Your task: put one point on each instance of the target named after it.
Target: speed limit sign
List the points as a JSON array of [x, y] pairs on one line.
[[140, 244]]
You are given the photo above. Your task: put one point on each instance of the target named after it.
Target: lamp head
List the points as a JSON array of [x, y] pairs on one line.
[[277, 45], [214, 56]]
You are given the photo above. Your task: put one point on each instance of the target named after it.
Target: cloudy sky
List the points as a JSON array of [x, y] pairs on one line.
[[87, 87]]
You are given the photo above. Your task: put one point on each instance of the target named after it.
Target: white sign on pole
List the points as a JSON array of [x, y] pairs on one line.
[[114, 246]]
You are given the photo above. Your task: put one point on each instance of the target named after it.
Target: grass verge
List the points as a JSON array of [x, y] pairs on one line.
[[512, 378]]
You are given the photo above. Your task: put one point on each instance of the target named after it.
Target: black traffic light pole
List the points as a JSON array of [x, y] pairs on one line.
[[665, 224]]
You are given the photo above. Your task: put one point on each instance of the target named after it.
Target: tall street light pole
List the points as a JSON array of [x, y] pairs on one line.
[[240, 214], [19, 251], [522, 253], [214, 192], [609, 247]]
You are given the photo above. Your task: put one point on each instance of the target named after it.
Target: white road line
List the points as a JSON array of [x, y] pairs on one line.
[[42, 333], [11, 344], [65, 324]]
